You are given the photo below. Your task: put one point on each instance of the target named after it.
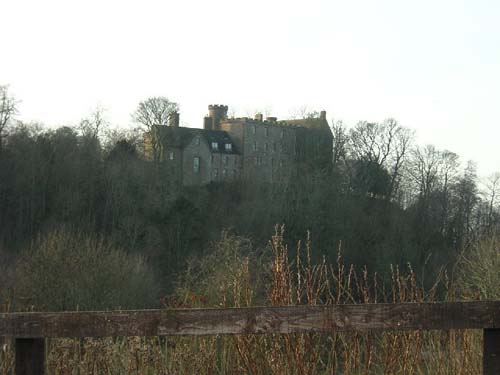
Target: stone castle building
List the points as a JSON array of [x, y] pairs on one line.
[[241, 148]]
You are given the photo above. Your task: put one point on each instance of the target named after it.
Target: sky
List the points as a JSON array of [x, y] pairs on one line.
[[433, 65]]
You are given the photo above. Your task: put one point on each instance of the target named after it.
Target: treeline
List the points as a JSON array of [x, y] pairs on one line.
[[384, 201]]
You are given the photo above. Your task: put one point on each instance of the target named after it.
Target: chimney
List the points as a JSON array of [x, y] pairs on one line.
[[322, 115], [173, 119], [259, 117], [271, 119], [207, 123]]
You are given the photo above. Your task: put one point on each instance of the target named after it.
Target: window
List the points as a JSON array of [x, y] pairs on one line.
[[267, 132], [171, 155], [282, 134], [229, 147], [274, 147], [281, 163], [196, 164], [254, 129], [235, 173], [266, 146], [215, 146], [197, 141], [254, 147], [224, 159], [216, 172], [224, 172]]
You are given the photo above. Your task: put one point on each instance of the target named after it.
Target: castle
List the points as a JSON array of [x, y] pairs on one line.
[[241, 148]]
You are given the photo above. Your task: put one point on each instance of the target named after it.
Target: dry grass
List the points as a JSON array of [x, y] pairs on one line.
[[288, 282]]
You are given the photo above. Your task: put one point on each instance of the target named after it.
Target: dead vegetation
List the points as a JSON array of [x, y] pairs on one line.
[[286, 281]]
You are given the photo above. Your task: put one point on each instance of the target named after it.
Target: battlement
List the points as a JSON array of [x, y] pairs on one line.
[[216, 113], [218, 107]]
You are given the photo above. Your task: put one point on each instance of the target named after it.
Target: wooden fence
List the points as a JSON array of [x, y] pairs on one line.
[[29, 330]]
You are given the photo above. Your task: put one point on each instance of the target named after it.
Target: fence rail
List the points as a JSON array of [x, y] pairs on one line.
[[30, 329]]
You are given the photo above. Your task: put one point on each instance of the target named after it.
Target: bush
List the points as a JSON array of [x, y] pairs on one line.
[[68, 271], [222, 277], [479, 275]]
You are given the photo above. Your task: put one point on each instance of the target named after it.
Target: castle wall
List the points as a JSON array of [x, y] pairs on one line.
[[201, 151], [267, 148], [225, 167]]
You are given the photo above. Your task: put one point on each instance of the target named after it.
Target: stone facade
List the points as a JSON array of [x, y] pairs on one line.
[[255, 149]]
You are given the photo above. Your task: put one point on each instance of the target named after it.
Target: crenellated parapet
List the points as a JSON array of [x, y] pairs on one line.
[[216, 112]]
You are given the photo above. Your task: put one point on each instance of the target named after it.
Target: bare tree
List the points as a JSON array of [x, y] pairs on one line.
[[340, 139], [94, 125], [492, 194], [384, 145], [423, 170], [8, 108], [154, 111]]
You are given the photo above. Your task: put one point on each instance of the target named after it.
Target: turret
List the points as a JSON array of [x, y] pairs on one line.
[[217, 113]]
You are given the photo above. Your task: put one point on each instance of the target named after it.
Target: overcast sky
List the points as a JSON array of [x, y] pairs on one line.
[[432, 65]]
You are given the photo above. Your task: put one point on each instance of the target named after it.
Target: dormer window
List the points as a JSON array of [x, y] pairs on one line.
[[229, 147], [215, 146]]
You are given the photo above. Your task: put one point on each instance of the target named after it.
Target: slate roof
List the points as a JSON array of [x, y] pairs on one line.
[[180, 137]]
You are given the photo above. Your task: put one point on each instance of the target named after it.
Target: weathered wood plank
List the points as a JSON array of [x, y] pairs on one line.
[[256, 320], [30, 356], [491, 352]]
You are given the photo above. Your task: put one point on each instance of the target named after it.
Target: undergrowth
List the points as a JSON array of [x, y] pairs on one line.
[[233, 275]]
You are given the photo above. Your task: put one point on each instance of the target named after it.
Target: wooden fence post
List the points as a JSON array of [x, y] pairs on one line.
[[30, 357], [491, 351]]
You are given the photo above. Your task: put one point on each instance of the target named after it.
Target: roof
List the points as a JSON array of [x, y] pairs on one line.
[[309, 123], [180, 137]]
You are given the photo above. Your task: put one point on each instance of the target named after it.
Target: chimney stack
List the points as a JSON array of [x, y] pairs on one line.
[[173, 119], [207, 123], [259, 117], [322, 115]]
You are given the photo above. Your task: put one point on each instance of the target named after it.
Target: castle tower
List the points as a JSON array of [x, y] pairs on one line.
[[216, 113]]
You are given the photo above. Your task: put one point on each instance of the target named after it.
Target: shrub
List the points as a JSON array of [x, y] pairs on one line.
[[479, 275], [68, 271]]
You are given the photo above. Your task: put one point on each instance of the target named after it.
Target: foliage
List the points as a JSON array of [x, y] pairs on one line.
[[478, 269], [385, 199], [67, 271], [8, 108], [154, 111], [289, 280], [215, 278]]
